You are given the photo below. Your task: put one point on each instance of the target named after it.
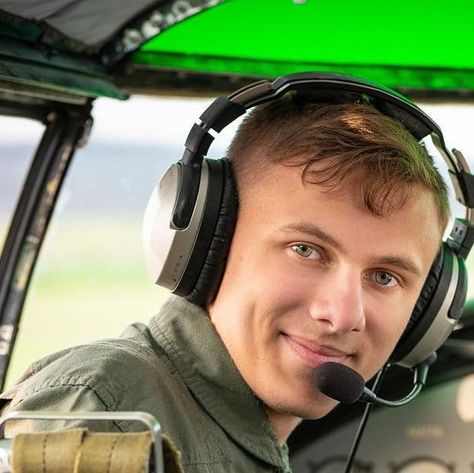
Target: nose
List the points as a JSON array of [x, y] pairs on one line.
[[338, 301]]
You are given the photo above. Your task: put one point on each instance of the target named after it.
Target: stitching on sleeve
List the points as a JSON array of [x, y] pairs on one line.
[[52, 384], [71, 382]]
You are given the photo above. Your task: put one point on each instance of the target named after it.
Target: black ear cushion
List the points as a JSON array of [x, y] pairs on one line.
[[422, 307], [428, 290], [210, 276]]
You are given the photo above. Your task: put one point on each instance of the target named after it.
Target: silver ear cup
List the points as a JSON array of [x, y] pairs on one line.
[[167, 249], [440, 328], [437, 310]]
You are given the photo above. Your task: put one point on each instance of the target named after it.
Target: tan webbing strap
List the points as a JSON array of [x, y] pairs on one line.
[[114, 453], [46, 452], [80, 451]]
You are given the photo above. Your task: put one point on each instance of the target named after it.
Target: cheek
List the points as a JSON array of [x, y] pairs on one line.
[[269, 295], [386, 326], [404, 313], [276, 284], [264, 271]]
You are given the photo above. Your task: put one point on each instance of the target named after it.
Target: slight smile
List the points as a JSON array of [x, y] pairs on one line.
[[313, 354]]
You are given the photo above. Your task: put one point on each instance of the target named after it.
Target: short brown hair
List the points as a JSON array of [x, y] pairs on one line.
[[343, 138]]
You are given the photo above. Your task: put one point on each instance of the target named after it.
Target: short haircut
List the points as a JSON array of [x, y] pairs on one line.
[[344, 139]]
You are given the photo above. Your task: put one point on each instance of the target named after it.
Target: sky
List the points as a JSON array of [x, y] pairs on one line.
[[167, 121], [140, 119]]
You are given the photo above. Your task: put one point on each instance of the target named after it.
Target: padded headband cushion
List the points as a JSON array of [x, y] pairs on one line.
[[210, 276]]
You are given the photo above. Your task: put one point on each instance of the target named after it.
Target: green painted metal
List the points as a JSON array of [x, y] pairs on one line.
[[65, 78], [419, 47], [406, 44]]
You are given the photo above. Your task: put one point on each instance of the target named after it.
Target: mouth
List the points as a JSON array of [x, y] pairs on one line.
[[313, 354]]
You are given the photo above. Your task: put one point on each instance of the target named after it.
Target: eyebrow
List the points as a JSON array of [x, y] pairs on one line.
[[392, 260], [313, 230], [402, 263]]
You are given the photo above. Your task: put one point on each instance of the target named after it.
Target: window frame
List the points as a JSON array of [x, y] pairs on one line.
[[66, 128]]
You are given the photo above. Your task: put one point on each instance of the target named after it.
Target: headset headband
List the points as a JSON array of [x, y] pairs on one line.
[[318, 87]]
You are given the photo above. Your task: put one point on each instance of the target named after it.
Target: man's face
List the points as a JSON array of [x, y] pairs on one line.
[[313, 277]]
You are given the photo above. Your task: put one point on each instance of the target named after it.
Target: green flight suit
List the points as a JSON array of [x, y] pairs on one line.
[[178, 370]]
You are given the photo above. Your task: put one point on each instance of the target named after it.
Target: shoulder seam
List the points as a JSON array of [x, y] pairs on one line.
[[70, 382], [53, 385]]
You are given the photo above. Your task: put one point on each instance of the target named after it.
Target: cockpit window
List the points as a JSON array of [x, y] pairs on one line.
[[91, 280]]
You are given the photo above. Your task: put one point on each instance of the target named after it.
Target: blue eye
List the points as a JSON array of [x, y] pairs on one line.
[[306, 251], [385, 279]]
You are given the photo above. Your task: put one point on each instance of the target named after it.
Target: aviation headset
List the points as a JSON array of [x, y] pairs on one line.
[[191, 215]]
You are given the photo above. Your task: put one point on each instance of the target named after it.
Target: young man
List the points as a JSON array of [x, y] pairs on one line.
[[341, 215]]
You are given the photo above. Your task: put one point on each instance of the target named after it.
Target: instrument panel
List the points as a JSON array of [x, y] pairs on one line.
[[432, 434], [415, 465]]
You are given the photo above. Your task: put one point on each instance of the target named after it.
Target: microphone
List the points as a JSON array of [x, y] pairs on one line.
[[345, 385], [339, 382]]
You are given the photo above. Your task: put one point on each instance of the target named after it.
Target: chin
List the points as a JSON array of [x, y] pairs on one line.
[[315, 408]]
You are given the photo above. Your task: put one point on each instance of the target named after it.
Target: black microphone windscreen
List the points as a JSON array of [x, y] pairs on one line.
[[339, 382]]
